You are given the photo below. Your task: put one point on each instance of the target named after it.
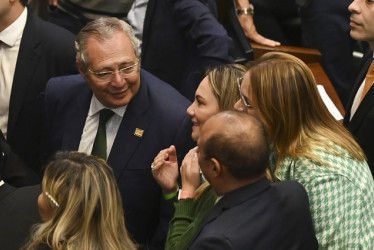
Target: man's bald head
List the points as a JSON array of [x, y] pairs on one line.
[[236, 140]]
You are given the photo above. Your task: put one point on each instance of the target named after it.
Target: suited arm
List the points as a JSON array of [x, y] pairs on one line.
[[13, 170], [197, 21], [212, 242]]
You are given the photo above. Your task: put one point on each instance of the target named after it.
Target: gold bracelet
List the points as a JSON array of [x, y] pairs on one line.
[[246, 11]]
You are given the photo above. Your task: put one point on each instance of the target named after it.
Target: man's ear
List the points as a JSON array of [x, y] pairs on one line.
[[216, 167], [81, 71]]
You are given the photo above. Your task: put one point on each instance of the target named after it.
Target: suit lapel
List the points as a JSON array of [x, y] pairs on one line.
[[366, 103], [27, 61], [77, 118], [127, 141]]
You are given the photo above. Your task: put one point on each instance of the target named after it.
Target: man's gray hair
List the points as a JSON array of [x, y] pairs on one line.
[[102, 29]]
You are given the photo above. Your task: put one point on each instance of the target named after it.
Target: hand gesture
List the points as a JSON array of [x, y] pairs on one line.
[[165, 169], [190, 171]]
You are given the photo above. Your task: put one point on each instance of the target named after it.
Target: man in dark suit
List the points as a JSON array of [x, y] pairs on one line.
[[250, 212], [18, 212], [149, 115], [12, 169], [181, 39], [359, 115], [325, 26], [31, 52]]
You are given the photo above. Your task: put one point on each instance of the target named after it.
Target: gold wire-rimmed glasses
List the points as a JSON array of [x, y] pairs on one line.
[[107, 75]]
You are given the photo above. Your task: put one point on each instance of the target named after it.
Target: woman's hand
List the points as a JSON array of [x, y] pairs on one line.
[[165, 169], [190, 171]]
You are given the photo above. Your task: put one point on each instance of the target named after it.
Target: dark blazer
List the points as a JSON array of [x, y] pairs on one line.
[[158, 110], [181, 39], [12, 169], [18, 212], [362, 123], [259, 216], [46, 50]]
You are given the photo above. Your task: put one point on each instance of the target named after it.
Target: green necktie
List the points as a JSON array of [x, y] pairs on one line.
[[99, 146]]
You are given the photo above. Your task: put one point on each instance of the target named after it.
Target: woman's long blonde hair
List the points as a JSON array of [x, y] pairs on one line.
[[89, 214], [292, 111], [223, 82]]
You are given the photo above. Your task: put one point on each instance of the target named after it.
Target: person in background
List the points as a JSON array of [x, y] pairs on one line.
[[358, 116], [217, 92], [73, 15], [325, 26], [182, 39], [250, 212], [13, 170], [31, 52], [123, 114], [311, 147], [245, 11], [18, 212], [80, 205]]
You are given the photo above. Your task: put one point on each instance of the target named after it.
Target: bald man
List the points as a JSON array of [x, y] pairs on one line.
[[251, 212]]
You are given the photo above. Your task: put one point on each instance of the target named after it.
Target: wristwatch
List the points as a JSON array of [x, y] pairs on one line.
[[246, 11]]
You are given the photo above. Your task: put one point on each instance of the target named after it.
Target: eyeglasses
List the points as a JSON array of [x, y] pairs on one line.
[[244, 100], [107, 76]]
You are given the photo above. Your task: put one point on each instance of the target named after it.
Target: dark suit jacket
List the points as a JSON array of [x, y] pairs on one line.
[[259, 216], [362, 123], [181, 39], [159, 110], [12, 169], [46, 50], [18, 212]]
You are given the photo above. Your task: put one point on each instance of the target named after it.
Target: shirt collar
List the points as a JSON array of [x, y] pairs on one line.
[[96, 106], [13, 32]]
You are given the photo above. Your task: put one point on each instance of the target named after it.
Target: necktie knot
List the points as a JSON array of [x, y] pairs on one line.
[[105, 115]]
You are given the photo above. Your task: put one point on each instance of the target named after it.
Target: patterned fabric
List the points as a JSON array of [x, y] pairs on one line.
[[341, 196]]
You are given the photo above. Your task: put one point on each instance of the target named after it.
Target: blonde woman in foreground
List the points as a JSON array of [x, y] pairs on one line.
[[80, 205], [311, 147]]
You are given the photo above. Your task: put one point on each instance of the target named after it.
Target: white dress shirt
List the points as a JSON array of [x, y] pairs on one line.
[[9, 48], [92, 124], [356, 101], [136, 17]]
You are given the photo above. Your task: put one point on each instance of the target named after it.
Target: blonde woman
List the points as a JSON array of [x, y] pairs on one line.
[[217, 92], [80, 205], [311, 147]]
